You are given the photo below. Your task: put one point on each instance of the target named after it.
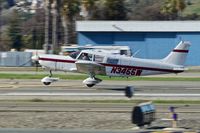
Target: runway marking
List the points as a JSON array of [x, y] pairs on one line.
[[192, 88], [167, 95], [61, 94], [96, 94]]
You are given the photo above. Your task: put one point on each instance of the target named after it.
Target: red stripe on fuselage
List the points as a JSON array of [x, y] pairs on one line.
[[115, 65], [180, 51], [57, 60], [144, 68]]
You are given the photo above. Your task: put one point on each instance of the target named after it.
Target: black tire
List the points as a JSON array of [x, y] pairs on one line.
[[90, 85], [46, 83]]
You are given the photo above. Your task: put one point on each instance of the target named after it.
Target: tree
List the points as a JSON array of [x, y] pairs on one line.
[[173, 8], [14, 31], [33, 30], [88, 6], [96, 10], [5, 42], [144, 10], [151, 13], [70, 10], [115, 10], [180, 6]]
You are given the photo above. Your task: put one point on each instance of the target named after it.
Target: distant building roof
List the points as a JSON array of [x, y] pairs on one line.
[[138, 26]]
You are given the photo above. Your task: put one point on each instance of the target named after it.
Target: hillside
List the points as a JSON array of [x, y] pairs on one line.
[[192, 8]]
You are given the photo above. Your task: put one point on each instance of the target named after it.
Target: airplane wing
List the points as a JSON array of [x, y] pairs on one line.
[[90, 67]]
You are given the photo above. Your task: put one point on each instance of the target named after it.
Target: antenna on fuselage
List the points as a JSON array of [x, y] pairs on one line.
[[134, 54]]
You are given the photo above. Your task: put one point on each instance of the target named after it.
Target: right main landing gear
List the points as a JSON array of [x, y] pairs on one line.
[[91, 81], [49, 79]]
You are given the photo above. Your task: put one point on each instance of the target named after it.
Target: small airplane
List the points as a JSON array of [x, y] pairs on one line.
[[97, 62]]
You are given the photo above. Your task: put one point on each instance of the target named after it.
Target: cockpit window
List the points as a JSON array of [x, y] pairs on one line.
[[74, 54], [98, 58], [112, 61], [85, 56], [123, 52]]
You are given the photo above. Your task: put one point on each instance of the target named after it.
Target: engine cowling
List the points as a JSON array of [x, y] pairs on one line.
[[91, 81], [48, 80]]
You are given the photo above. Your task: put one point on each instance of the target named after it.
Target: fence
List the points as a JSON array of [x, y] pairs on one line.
[[15, 59]]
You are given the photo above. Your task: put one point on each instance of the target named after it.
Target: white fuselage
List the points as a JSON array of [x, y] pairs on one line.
[[96, 62], [115, 65]]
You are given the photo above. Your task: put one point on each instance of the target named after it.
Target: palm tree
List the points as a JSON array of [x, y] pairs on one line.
[[115, 10], [70, 10]]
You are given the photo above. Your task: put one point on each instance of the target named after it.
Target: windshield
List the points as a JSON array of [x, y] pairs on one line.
[[74, 54], [85, 56]]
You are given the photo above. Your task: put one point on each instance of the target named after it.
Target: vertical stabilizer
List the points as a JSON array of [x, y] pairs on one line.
[[179, 54]]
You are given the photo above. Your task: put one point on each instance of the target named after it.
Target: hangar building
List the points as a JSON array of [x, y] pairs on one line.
[[150, 39]]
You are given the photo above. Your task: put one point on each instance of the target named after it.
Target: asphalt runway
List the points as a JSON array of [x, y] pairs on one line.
[[74, 89], [88, 107], [66, 131]]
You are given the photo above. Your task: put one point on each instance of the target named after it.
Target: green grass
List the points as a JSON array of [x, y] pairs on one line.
[[152, 78], [38, 76], [176, 102], [81, 77]]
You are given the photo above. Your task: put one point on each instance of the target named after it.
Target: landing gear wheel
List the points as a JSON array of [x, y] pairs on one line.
[[46, 83], [90, 85]]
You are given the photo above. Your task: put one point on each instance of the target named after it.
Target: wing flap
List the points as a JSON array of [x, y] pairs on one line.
[[91, 67]]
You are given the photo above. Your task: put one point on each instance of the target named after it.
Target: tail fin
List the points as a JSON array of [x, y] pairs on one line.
[[179, 54]]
